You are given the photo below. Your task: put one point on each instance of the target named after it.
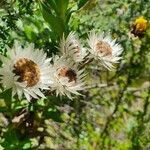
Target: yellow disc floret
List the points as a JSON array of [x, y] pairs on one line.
[[28, 71], [69, 73], [104, 48], [141, 24]]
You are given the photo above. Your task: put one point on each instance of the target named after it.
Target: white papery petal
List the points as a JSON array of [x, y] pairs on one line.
[[106, 60], [10, 80], [39, 93], [71, 48], [28, 97], [61, 84]]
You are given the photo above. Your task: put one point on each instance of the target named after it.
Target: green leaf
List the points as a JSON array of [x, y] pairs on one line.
[[53, 5], [41, 102], [29, 33], [7, 96], [11, 141], [81, 3], [27, 146], [68, 14], [54, 114], [55, 22], [3, 109], [62, 4], [1, 148]]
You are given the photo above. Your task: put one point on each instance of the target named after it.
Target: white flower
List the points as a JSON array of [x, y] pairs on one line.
[[66, 77], [26, 71], [71, 48], [105, 49]]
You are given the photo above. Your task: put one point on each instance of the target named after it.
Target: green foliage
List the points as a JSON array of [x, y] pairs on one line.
[[81, 3], [58, 21]]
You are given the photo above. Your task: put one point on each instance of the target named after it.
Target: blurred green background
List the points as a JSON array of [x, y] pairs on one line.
[[114, 111]]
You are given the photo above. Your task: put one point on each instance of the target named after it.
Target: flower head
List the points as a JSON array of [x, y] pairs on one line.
[[66, 77], [139, 26], [26, 71], [105, 49], [71, 48]]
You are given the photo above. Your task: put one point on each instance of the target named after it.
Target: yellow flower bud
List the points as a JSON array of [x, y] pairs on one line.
[[139, 27]]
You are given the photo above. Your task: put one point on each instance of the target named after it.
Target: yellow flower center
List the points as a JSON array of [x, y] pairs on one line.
[[28, 71], [141, 24], [69, 73], [104, 48]]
